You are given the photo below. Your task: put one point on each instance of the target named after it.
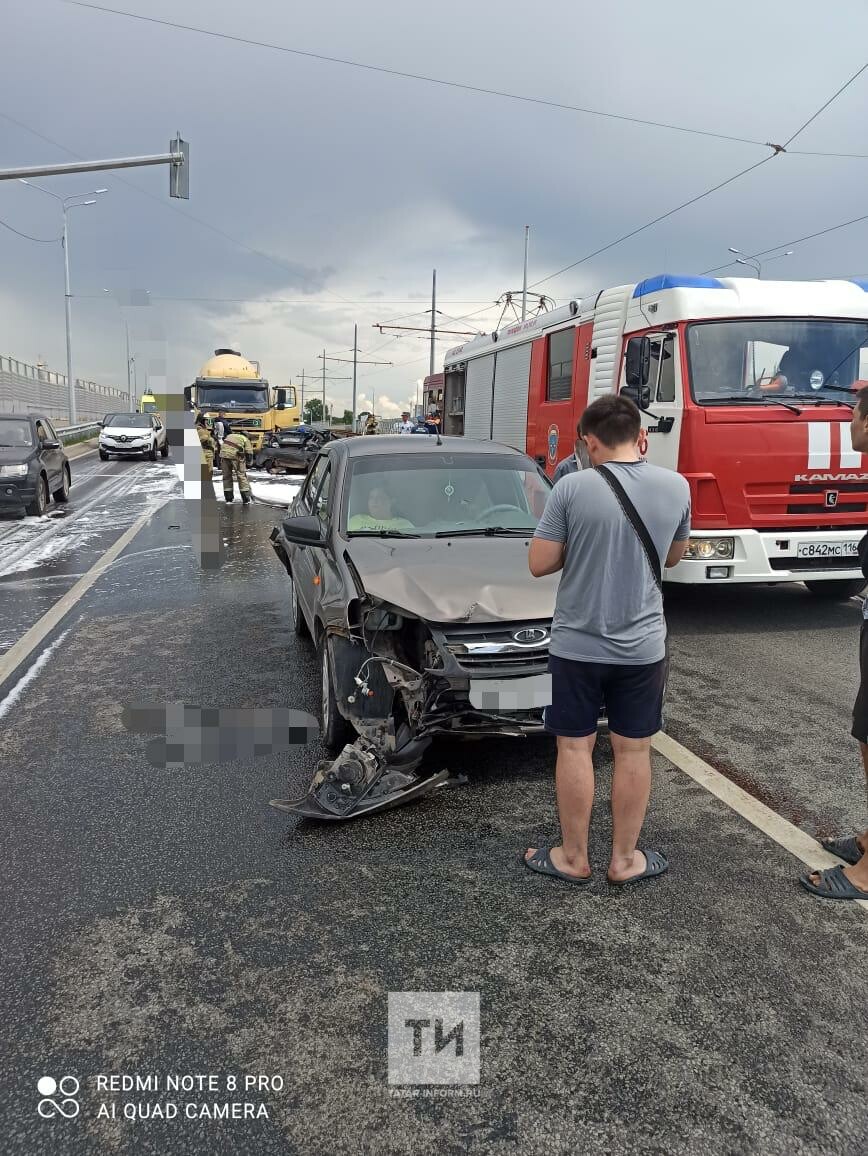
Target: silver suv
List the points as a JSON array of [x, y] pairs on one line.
[[130, 434], [407, 560]]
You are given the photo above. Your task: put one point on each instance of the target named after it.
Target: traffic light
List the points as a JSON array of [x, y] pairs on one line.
[[179, 170]]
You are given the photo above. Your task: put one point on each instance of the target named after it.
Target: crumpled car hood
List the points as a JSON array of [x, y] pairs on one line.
[[455, 579]]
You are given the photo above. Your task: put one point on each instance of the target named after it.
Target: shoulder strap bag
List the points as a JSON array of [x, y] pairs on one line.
[[635, 520]]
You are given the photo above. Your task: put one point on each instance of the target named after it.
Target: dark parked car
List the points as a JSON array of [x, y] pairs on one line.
[[33, 464], [408, 566]]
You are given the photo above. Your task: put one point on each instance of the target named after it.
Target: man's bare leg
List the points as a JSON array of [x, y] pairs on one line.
[[574, 781], [631, 788]]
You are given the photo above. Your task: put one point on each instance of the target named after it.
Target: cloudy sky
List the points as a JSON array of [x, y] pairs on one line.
[[322, 195]]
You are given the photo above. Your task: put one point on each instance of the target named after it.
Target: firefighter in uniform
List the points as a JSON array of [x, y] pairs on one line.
[[233, 456], [207, 443]]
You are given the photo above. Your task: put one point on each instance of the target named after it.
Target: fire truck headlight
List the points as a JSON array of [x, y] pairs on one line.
[[707, 548]]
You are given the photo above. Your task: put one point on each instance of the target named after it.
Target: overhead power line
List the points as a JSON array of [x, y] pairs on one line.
[[656, 221], [415, 75], [41, 240], [778, 150]]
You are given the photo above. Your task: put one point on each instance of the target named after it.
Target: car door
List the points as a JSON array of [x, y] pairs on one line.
[[666, 406], [303, 560], [51, 458]]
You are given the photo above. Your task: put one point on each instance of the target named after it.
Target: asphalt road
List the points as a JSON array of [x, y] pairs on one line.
[[167, 921]]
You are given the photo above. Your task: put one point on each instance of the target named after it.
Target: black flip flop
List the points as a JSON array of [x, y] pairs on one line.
[[833, 884], [541, 862], [846, 849], [655, 865]]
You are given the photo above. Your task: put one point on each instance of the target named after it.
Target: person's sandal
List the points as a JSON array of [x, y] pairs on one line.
[[846, 849], [833, 884], [655, 865], [541, 862]]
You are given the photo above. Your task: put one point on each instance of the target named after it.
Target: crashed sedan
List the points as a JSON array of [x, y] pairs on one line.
[[407, 560]]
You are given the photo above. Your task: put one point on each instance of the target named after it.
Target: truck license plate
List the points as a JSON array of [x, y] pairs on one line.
[[826, 549], [503, 694]]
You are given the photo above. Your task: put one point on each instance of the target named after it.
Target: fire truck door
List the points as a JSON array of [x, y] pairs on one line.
[[664, 380]]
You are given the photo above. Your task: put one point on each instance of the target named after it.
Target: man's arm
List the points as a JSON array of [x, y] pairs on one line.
[[545, 557], [676, 553]]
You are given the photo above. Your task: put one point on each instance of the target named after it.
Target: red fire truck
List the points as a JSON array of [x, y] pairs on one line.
[[748, 388]]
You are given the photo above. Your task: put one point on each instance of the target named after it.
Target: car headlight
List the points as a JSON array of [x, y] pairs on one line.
[[13, 471], [705, 549]]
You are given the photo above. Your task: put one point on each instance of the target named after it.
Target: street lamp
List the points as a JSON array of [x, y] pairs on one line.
[[130, 358], [745, 259], [67, 203]]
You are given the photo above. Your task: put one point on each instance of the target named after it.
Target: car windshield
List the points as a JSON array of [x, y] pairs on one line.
[[443, 494], [750, 361], [15, 433], [128, 420], [230, 397]]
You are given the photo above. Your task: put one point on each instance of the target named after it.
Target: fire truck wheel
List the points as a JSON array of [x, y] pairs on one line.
[[837, 589]]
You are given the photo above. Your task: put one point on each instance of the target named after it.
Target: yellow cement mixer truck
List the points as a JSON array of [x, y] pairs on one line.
[[231, 383]]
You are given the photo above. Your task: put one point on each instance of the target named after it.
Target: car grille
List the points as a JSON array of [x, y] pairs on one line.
[[494, 647]]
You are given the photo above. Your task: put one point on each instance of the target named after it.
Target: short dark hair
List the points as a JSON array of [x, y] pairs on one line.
[[862, 401], [613, 419]]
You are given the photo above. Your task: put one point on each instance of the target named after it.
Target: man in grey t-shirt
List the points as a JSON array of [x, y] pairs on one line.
[[608, 642]]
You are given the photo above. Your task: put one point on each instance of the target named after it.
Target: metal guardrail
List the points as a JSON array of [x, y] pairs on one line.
[[76, 432]]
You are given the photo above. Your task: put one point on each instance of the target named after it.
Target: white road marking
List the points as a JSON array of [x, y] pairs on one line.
[[28, 642], [784, 833]]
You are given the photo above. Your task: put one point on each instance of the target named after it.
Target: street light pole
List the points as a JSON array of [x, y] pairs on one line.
[[129, 373]]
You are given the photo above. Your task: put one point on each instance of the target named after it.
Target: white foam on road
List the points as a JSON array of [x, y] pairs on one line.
[[15, 693]]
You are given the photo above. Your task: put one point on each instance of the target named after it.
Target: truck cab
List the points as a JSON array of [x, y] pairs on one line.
[[231, 383]]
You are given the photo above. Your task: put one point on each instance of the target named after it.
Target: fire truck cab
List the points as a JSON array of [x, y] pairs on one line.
[[747, 387]]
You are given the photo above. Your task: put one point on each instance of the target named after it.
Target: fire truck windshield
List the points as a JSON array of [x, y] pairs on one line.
[[734, 361], [232, 397]]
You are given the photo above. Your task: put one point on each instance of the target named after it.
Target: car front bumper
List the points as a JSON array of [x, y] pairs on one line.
[[123, 450], [17, 492]]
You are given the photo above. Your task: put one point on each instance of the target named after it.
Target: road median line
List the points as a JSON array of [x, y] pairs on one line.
[[40, 630], [784, 833]]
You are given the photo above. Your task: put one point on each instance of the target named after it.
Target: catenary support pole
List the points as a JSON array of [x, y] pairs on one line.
[[524, 280], [433, 321]]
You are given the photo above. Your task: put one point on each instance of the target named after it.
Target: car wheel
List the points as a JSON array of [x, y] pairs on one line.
[[152, 452], [62, 495], [298, 623], [335, 729], [38, 506], [164, 448], [103, 456], [837, 589]]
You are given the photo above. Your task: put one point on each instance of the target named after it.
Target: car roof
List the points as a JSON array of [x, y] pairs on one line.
[[363, 447], [23, 417]]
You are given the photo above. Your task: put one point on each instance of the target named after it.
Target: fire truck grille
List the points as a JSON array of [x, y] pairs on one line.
[[841, 503]]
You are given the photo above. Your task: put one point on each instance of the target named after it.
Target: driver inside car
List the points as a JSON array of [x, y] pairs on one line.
[[380, 515]]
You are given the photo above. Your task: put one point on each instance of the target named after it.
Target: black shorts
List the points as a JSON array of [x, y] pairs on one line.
[[860, 708], [632, 697]]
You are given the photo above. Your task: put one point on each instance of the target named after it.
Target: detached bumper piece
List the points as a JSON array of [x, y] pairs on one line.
[[363, 779]]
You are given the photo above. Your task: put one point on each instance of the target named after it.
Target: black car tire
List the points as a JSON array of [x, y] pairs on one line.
[[837, 589], [40, 503], [62, 495], [152, 452], [296, 613], [335, 728], [164, 448], [103, 456]]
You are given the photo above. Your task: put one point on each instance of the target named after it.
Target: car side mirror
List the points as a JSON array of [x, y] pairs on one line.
[[304, 531], [638, 367], [100, 424], [51, 445]]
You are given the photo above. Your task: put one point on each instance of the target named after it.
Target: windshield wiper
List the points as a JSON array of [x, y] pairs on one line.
[[825, 400], [485, 532], [380, 534], [751, 401]]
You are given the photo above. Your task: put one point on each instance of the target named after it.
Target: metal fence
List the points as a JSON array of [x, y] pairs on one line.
[[25, 387]]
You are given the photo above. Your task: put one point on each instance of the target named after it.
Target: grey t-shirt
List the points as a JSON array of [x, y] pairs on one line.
[[608, 606]]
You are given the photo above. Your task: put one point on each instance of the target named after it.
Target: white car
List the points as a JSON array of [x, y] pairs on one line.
[[125, 434]]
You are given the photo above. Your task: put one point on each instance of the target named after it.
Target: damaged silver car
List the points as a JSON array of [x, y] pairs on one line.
[[407, 560]]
